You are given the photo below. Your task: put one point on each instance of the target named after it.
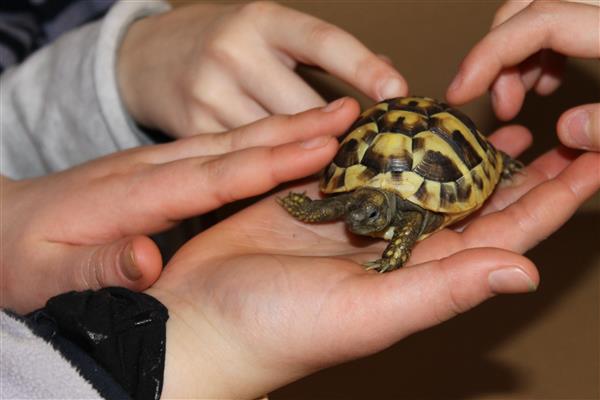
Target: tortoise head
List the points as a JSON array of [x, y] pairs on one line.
[[371, 210]]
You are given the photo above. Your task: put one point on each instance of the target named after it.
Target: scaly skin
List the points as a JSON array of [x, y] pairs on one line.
[[398, 250], [305, 209]]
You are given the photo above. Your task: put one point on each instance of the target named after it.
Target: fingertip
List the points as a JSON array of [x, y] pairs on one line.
[[390, 87], [474, 275], [466, 86], [553, 66], [339, 115], [547, 84], [346, 104], [454, 95], [579, 127], [485, 261], [508, 94], [143, 263], [519, 277]]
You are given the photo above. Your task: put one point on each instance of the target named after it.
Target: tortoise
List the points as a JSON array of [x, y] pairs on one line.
[[408, 167]]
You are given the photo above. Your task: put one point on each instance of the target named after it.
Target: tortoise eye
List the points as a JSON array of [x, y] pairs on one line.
[[374, 214]]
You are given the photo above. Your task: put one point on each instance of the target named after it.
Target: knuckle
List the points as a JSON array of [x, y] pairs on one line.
[[285, 122], [232, 140], [223, 49], [544, 11], [454, 305], [215, 173], [92, 273], [321, 33]]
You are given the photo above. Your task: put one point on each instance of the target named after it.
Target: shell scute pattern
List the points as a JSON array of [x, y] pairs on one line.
[[425, 151]]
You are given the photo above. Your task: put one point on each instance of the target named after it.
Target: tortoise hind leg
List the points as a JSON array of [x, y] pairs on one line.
[[511, 166], [398, 250], [305, 209]]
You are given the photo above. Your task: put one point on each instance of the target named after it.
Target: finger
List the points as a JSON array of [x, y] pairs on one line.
[[414, 298], [216, 93], [579, 127], [202, 121], [226, 106], [509, 89], [298, 95], [134, 263], [553, 66], [508, 93], [332, 120], [531, 70], [541, 211], [315, 42], [512, 139], [183, 188], [563, 27]]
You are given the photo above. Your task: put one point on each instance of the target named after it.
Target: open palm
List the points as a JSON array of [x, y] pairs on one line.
[[293, 298]]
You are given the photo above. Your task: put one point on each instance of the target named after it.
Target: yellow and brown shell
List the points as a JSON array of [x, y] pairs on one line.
[[425, 151]]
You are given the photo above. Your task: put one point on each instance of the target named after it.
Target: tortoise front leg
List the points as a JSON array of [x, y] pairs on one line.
[[306, 209], [398, 250]]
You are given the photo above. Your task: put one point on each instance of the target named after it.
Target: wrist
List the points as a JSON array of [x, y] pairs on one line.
[[130, 59], [203, 361], [14, 239]]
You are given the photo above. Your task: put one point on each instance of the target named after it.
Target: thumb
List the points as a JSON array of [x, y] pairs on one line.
[[579, 127], [421, 296], [134, 263]]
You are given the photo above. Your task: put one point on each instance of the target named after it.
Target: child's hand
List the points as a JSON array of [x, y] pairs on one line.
[[525, 50], [211, 67], [86, 227], [262, 299]]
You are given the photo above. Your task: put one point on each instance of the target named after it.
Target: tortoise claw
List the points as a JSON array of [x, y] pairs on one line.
[[382, 265]]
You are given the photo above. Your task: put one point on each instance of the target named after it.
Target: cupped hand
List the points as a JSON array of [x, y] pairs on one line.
[[526, 50], [86, 227], [214, 67], [262, 299]]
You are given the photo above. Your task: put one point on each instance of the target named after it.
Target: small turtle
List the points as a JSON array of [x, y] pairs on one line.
[[408, 167]]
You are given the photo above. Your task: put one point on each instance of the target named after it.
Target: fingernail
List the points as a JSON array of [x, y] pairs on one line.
[[385, 59], [128, 265], [315, 143], [510, 280], [334, 105], [578, 126], [455, 85], [390, 88]]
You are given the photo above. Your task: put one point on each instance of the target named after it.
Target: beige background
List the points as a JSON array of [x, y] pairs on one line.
[[538, 346]]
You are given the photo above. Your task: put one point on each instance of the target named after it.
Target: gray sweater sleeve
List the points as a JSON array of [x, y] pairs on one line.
[[33, 369], [61, 107]]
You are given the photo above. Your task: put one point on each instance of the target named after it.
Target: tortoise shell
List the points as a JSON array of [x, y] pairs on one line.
[[425, 151]]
